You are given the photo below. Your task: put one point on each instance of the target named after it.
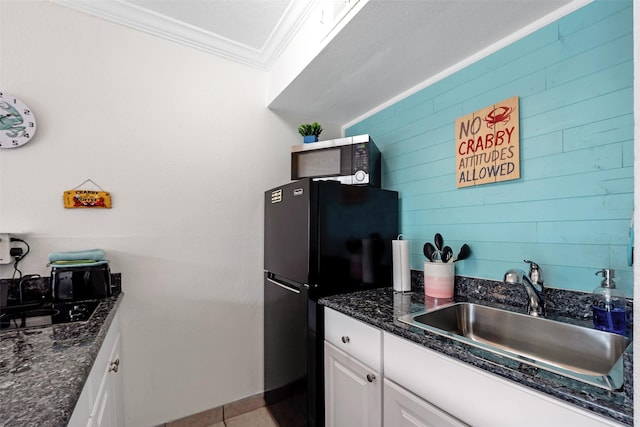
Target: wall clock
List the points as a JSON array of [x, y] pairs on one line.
[[17, 122]]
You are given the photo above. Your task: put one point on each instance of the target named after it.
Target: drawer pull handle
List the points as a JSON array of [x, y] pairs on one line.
[[113, 366], [345, 339], [371, 378]]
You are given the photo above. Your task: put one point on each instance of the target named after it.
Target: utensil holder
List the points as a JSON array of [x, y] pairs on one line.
[[439, 278]]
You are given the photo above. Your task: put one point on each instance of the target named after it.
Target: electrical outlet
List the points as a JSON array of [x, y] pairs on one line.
[[5, 249]]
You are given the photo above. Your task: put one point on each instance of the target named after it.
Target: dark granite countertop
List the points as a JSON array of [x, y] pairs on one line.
[[43, 369], [376, 307]]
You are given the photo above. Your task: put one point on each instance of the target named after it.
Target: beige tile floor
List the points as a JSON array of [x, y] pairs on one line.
[[257, 418], [247, 412]]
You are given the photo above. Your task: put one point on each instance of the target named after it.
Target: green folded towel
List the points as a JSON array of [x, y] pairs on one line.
[[77, 263], [89, 254]]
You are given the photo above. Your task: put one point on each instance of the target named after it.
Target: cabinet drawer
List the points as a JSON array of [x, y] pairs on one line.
[[354, 337]]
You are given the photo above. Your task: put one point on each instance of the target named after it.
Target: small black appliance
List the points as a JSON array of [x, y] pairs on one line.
[[81, 283]]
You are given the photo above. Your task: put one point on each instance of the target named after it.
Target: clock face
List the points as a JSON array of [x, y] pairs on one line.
[[17, 122]]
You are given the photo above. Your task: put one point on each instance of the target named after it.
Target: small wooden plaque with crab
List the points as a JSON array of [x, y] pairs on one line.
[[86, 199], [488, 144]]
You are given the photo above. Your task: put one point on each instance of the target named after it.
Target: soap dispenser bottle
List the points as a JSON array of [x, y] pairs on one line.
[[609, 305]]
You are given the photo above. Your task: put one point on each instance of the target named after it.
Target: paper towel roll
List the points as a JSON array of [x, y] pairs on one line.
[[401, 273]]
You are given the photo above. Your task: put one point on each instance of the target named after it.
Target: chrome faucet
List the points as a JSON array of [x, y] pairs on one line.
[[533, 284]]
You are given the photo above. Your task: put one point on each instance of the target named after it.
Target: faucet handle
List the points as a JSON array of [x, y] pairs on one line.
[[535, 272]]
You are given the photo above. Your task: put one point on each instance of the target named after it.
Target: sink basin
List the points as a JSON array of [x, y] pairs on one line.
[[588, 355]]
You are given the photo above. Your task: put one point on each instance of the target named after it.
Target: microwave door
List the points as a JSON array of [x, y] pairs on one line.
[[287, 238], [324, 163]]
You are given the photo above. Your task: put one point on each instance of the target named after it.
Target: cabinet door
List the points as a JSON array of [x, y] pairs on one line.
[[107, 409], [404, 409], [353, 391], [95, 398]]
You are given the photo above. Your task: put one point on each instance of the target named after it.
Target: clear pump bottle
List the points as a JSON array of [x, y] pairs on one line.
[[609, 305]]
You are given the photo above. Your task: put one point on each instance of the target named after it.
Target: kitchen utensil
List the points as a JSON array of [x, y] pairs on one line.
[[428, 250], [465, 251], [438, 241], [447, 254]]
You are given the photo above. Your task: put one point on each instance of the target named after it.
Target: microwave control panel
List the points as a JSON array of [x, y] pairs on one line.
[[360, 158]]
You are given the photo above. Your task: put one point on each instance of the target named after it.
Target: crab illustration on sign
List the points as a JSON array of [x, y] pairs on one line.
[[499, 114]]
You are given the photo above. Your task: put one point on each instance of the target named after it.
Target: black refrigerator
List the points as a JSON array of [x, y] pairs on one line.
[[320, 238]]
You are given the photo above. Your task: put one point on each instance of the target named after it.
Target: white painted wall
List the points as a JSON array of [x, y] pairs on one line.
[[185, 145]]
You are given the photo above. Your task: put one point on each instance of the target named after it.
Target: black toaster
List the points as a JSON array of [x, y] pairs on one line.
[[81, 283]]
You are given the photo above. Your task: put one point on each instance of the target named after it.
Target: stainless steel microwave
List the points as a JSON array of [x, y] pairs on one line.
[[350, 160]]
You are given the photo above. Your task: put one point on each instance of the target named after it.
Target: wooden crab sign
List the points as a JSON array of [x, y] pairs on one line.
[[488, 144]]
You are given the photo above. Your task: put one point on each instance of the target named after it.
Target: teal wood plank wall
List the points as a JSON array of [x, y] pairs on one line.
[[571, 209]]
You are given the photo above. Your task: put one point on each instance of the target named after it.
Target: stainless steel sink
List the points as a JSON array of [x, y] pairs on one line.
[[585, 354]]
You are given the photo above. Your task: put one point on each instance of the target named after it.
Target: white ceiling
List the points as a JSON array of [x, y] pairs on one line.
[[394, 46], [246, 22], [389, 47]]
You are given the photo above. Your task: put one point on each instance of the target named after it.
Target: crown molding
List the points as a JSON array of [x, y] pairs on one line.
[[138, 18]]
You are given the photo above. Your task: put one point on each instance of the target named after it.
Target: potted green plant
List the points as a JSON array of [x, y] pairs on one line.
[[310, 131]]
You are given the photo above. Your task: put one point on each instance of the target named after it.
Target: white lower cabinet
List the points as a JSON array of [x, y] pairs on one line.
[[374, 378], [353, 391], [100, 402], [404, 409], [352, 367], [107, 408]]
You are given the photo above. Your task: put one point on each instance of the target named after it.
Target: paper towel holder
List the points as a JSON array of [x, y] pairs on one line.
[[401, 267]]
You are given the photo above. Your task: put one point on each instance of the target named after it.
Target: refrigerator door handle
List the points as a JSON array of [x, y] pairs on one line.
[[282, 285]]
